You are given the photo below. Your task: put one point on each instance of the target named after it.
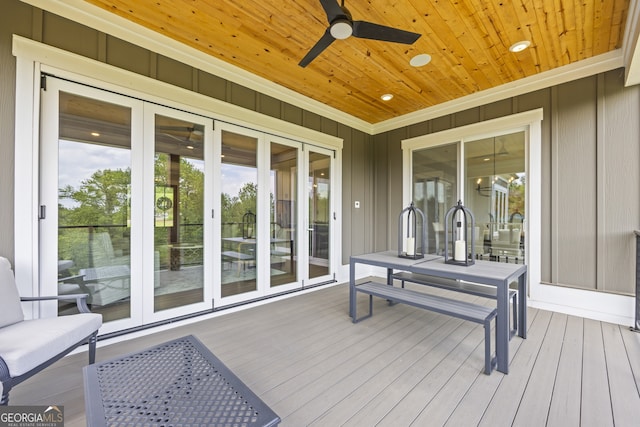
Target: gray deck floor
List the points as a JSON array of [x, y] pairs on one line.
[[404, 366]]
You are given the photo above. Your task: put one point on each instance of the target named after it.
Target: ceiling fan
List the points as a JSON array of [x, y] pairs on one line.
[[342, 26]]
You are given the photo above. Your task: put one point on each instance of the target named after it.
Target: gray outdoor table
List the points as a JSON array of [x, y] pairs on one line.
[[490, 273], [178, 383]]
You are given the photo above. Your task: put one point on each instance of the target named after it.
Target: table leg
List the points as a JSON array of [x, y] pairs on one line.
[[352, 288], [522, 306], [502, 328]]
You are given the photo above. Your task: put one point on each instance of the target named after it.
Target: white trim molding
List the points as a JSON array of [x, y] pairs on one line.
[[602, 306], [89, 71]]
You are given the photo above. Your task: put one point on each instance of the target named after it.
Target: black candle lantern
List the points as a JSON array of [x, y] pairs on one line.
[[410, 244], [248, 225], [462, 226]]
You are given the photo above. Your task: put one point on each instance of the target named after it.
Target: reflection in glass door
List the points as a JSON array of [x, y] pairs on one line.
[[495, 192], [178, 213], [239, 233], [86, 147], [434, 189], [283, 213], [319, 213], [494, 181]]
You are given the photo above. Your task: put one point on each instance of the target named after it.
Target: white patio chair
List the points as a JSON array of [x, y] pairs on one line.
[[29, 346]]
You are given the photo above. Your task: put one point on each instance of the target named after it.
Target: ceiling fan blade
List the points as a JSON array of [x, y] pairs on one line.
[[332, 9], [316, 50], [369, 30]]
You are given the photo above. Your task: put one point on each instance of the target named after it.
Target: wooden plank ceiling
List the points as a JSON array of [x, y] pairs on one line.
[[468, 41]]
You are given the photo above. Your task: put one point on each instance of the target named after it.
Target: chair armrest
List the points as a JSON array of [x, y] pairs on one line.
[[81, 300]]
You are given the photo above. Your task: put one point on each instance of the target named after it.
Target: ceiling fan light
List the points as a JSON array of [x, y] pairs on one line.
[[520, 46], [420, 60], [341, 29]]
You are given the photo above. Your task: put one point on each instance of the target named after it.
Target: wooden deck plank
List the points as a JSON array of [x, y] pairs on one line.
[[564, 409], [341, 360], [497, 414], [305, 359], [625, 400], [390, 396], [596, 402], [341, 384], [631, 340], [439, 327], [414, 402], [536, 399], [443, 404], [474, 403]]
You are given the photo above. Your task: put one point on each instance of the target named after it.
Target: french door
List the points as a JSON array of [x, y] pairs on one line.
[[275, 206], [156, 215], [122, 214], [320, 214]]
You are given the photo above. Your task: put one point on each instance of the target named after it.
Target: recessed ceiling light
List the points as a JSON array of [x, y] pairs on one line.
[[420, 60], [520, 46], [386, 97], [95, 134]]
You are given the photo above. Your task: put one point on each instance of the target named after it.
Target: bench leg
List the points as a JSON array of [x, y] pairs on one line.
[[487, 347], [514, 303], [490, 362], [355, 316]]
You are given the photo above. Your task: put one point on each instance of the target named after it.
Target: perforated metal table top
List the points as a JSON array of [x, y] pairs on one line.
[[176, 384]]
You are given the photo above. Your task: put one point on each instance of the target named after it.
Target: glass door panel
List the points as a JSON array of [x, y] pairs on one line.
[[94, 193], [435, 184], [319, 214], [239, 235], [283, 213], [495, 193], [178, 213]]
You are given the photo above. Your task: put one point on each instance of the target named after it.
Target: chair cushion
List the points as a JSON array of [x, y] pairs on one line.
[[28, 344], [10, 306]]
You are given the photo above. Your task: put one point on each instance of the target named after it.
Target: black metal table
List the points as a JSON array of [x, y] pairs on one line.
[[178, 383]]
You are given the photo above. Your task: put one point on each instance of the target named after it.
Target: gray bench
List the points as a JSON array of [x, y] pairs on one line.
[[464, 287], [460, 309], [238, 257]]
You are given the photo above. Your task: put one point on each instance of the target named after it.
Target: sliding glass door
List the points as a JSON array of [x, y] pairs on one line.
[[488, 175], [435, 183], [495, 191]]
